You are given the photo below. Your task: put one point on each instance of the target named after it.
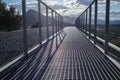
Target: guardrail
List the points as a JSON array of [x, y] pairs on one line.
[[84, 21], [57, 28], [58, 23]]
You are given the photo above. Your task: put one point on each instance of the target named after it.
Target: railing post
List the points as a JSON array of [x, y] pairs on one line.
[[95, 31], [52, 24], [86, 22], [25, 46], [39, 23], [55, 23], [90, 21], [58, 23], [47, 23], [56, 27], [80, 22], [107, 26], [62, 24]]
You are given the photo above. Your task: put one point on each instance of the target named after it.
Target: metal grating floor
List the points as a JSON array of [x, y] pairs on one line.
[[75, 58]]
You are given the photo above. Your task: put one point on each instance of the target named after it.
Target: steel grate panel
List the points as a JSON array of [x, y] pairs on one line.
[[75, 59]]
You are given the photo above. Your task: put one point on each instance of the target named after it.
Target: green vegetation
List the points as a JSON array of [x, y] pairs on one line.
[[35, 25], [114, 34], [116, 42], [9, 18]]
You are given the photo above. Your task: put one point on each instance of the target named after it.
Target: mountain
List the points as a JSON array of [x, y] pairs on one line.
[[115, 22], [70, 20], [102, 22], [31, 17]]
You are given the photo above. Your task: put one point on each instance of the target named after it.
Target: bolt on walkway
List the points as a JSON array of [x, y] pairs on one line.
[[74, 58]]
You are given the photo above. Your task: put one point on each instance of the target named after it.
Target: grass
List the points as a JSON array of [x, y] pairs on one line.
[[114, 34], [3, 30]]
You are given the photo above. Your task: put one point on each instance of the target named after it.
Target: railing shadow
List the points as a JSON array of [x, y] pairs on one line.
[[37, 63], [41, 73]]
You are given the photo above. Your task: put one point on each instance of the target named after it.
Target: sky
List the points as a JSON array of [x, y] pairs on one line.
[[72, 8], [64, 7]]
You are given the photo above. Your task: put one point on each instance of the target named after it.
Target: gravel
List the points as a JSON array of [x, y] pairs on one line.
[[11, 43]]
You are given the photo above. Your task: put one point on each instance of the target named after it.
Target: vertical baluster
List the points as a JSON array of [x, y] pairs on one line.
[[52, 24], [80, 23], [90, 8], [95, 31], [39, 23], [56, 28], [58, 23], [107, 26], [25, 45], [86, 22], [62, 23], [47, 23]]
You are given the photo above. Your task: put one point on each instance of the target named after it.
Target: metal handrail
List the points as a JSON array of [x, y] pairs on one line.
[[39, 22], [81, 23], [59, 28]]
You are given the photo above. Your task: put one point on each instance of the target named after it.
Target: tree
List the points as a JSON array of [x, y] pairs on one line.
[[9, 18], [36, 25]]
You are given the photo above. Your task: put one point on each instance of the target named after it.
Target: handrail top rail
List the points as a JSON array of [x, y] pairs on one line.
[[87, 7], [48, 7]]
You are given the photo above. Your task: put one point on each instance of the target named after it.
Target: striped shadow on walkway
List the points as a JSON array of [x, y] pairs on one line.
[[75, 58]]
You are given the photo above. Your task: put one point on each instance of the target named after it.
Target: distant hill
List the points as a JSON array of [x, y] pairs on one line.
[[68, 24], [32, 18], [115, 22], [102, 22], [70, 20]]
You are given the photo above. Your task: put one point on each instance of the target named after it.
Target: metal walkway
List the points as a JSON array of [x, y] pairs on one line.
[[74, 59]]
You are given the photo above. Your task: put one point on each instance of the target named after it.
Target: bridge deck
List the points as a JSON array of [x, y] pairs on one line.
[[75, 58]]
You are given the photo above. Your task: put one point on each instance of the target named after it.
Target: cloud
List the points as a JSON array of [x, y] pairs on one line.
[[71, 8], [115, 14], [112, 2], [58, 6], [68, 7], [84, 2], [50, 2]]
